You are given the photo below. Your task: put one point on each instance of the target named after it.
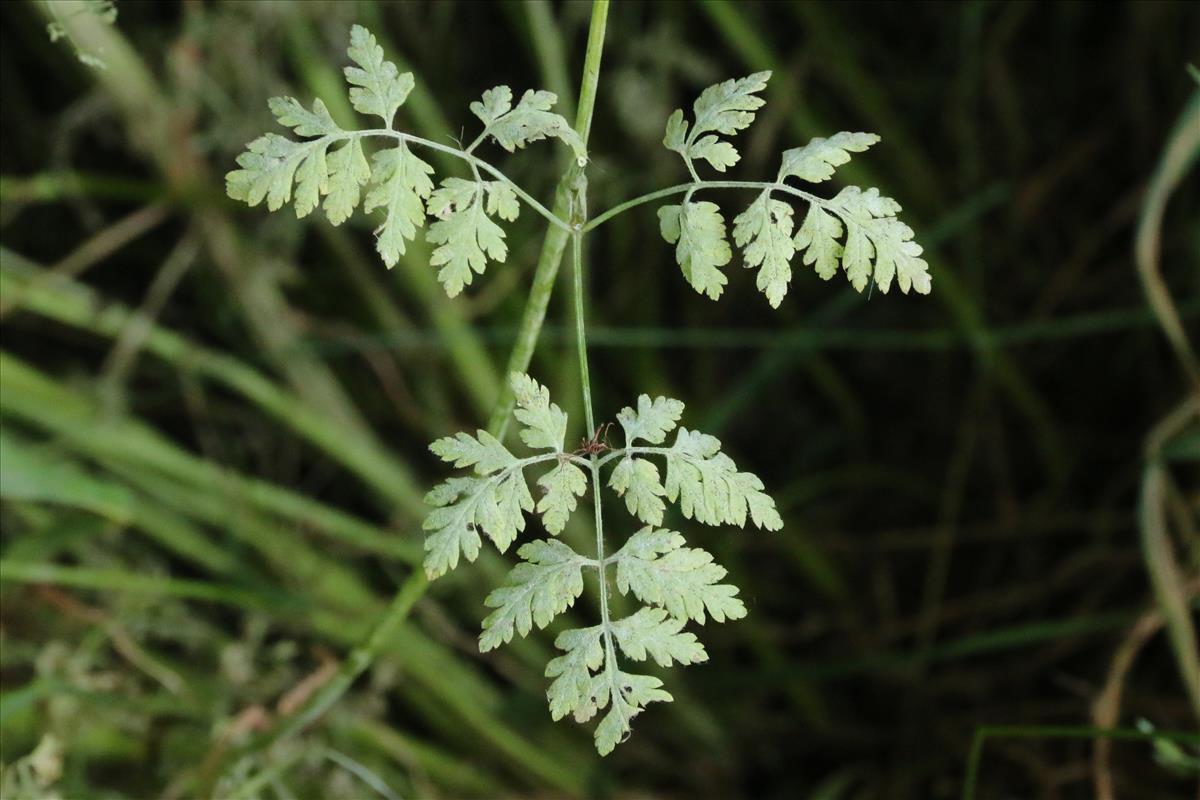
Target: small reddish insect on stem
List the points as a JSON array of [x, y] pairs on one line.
[[597, 444]]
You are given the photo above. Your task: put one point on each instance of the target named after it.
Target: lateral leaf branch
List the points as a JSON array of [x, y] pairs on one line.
[[856, 231], [327, 166]]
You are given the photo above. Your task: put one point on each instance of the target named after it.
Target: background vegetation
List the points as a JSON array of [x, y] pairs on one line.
[[215, 420]]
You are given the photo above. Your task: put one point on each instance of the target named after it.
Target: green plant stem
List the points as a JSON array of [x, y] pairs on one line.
[[985, 732], [594, 462], [700, 185], [465, 155], [555, 243], [1180, 154]]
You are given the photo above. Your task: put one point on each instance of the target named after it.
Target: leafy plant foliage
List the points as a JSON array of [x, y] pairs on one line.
[[856, 231], [676, 583]]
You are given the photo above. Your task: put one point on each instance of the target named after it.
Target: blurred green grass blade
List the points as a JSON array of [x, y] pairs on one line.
[[985, 732], [1167, 581], [1180, 154], [113, 580], [448, 771], [35, 398], [148, 114], [35, 473], [74, 304]]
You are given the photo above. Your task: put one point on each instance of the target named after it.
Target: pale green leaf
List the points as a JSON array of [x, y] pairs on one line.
[[636, 480], [719, 153], [399, 185], [267, 169], [483, 451], [561, 486], [709, 487], [856, 257], [450, 526], [537, 590], [818, 239], [465, 236], [652, 420], [465, 506], [764, 230], [545, 424], [651, 632], [571, 690], [676, 135], [816, 161], [496, 103], [348, 171], [630, 694], [697, 230], [729, 106], [656, 567], [312, 180], [502, 201], [724, 109], [289, 112], [530, 121], [377, 86], [883, 237]]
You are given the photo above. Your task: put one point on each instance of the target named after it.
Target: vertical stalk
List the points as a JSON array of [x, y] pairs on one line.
[[555, 243], [589, 414]]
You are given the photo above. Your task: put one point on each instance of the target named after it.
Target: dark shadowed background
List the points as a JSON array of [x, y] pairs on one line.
[[215, 419]]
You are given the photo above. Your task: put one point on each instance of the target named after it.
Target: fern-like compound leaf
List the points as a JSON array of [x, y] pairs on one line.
[[652, 420], [764, 230], [656, 567], [697, 230], [400, 184], [816, 161], [537, 590], [637, 481], [721, 110], [651, 632], [465, 234], [709, 487], [530, 121], [561, 486], [545, 424], [377, 86]]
